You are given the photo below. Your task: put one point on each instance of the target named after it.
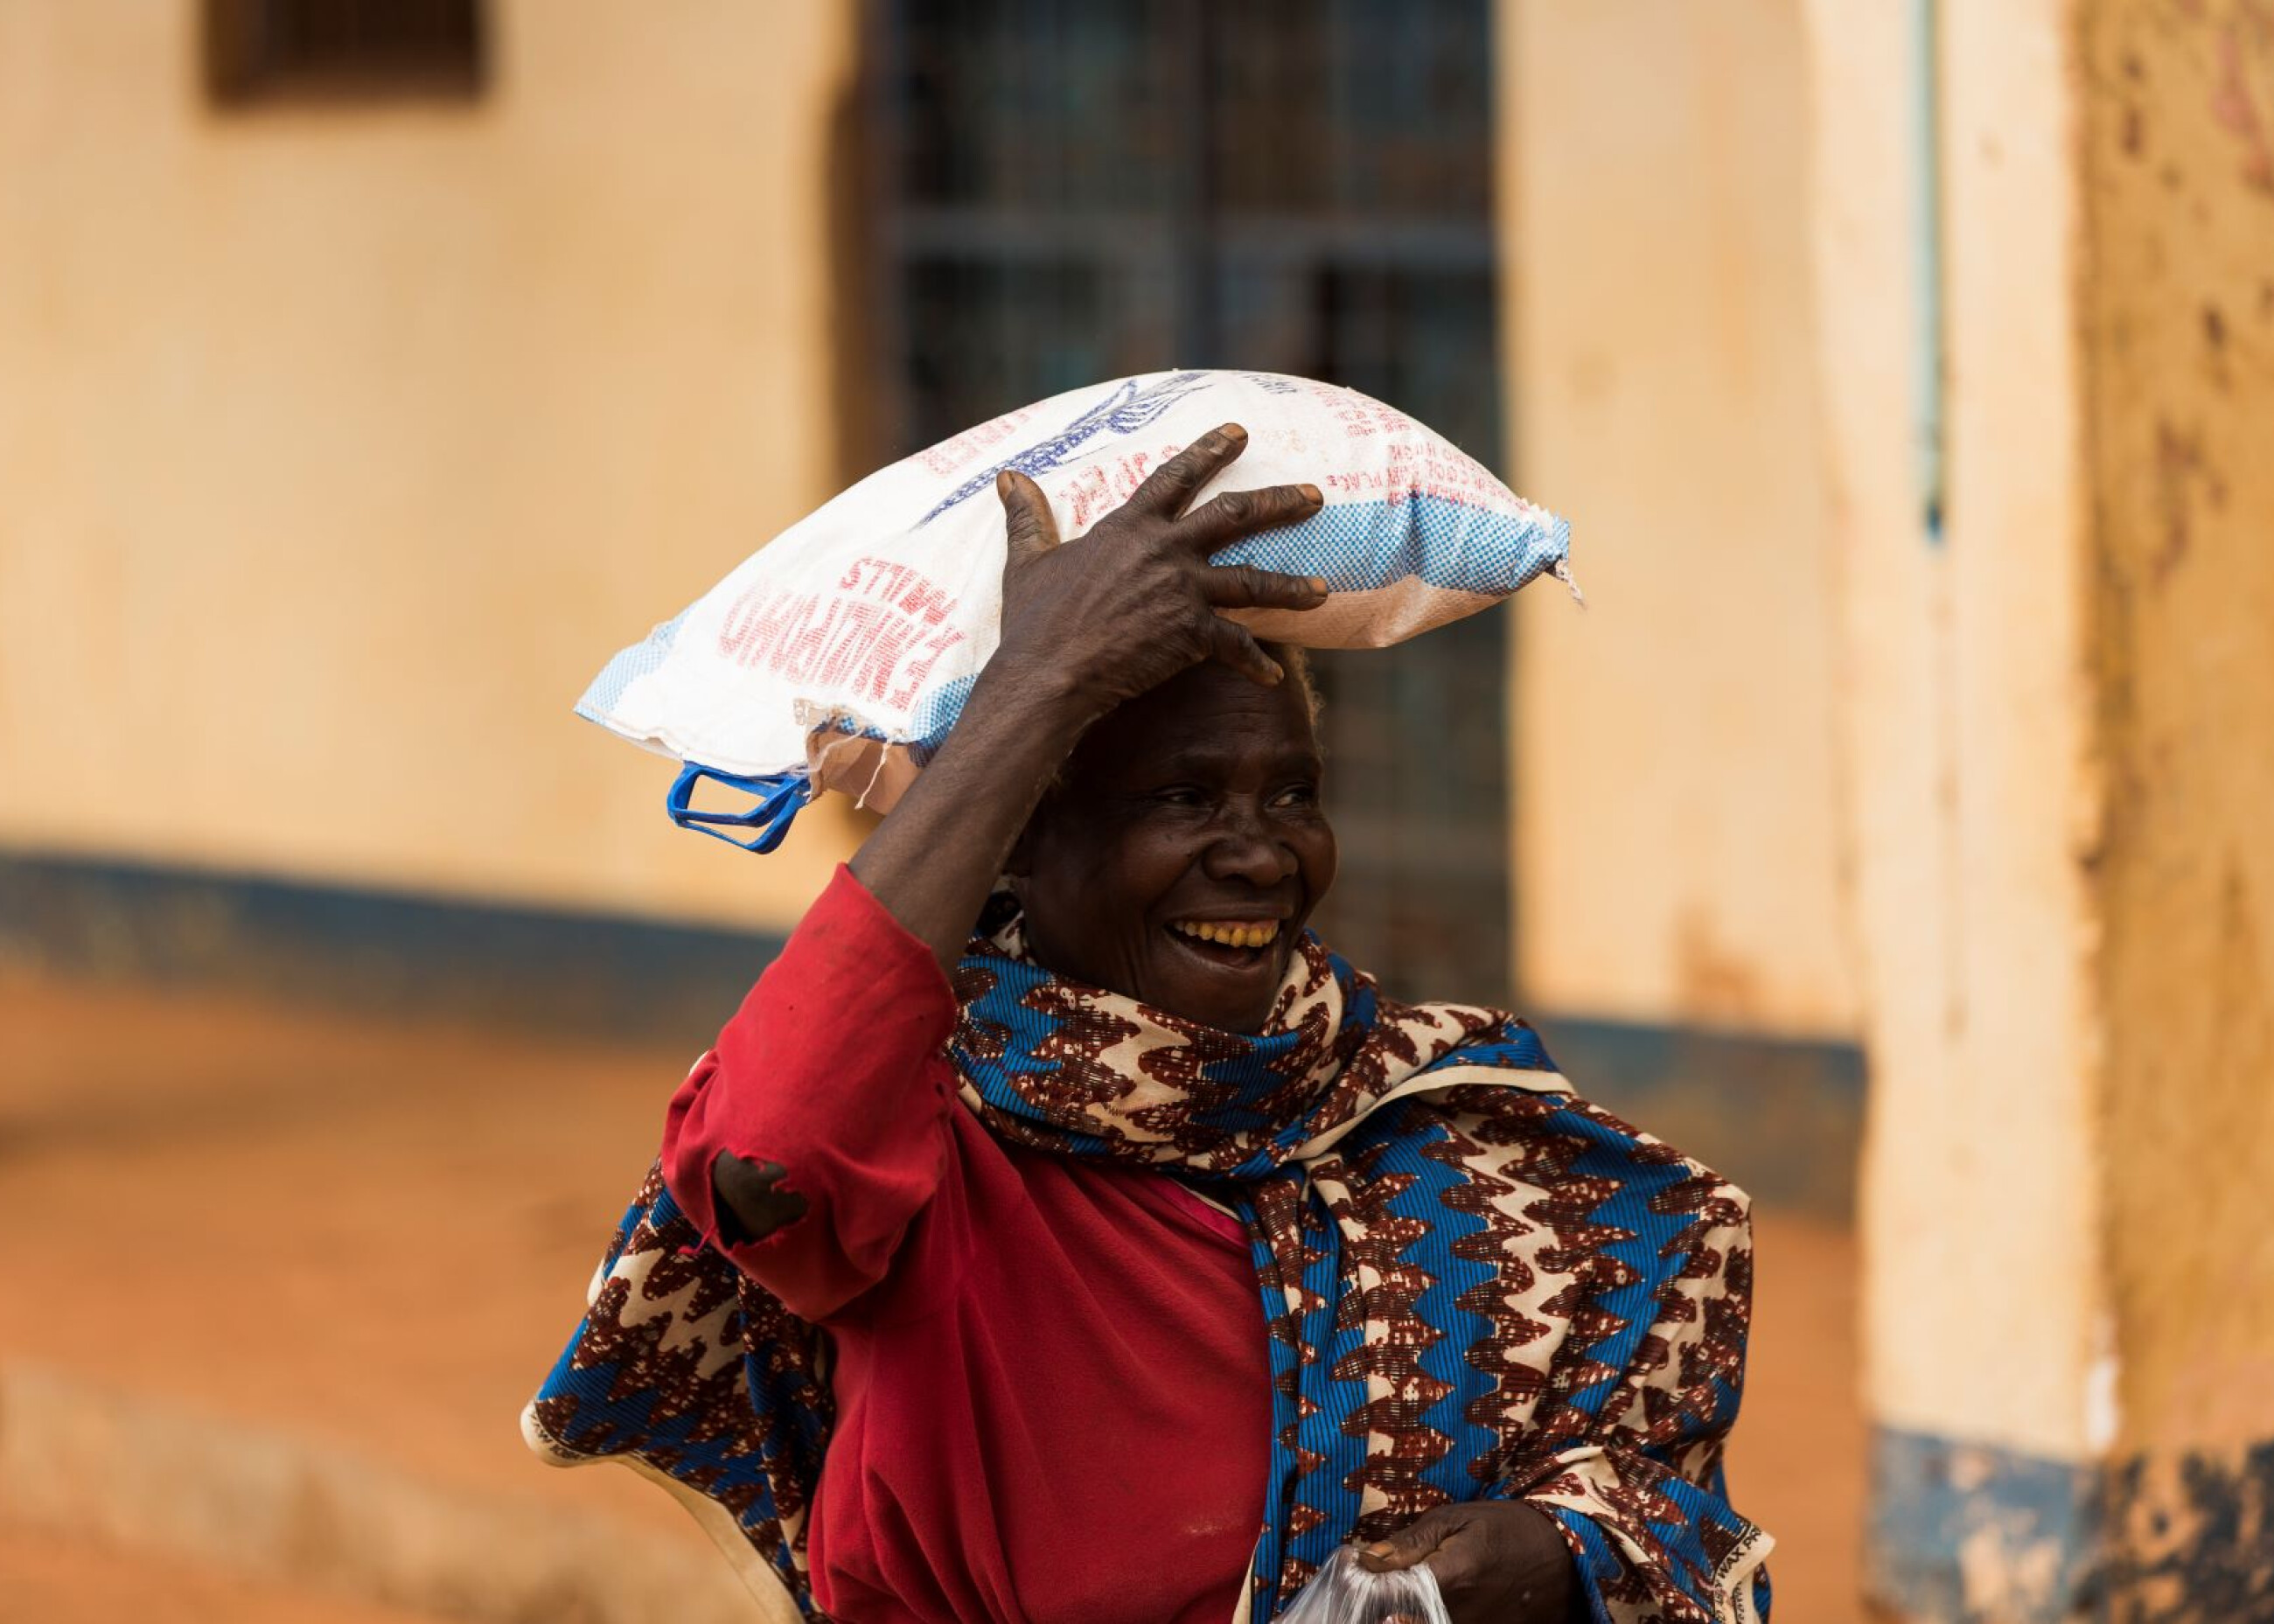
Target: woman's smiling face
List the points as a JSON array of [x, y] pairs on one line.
[[1185, 848]]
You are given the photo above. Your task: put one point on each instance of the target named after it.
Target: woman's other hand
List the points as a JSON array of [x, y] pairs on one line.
[[1136, 600], [1496, 1561]]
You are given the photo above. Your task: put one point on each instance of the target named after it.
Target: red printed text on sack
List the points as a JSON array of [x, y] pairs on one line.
[[877, 634], [1410, 469], [1100, 487], [951, 454]]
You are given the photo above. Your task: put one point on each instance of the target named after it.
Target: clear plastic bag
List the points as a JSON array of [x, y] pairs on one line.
[[1346, 1592]]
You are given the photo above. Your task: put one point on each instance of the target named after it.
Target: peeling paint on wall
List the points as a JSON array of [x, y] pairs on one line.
[[2071, 1262], [1963, 1532], [1969, 1534], [2192, 1537]]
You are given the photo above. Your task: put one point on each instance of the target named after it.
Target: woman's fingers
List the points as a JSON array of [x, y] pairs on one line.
[[1493, 1559], [1123, 613], [1243, 586], [1236, 647], [1409, 1544], [1226, 518], [1029, 529], [1169, 489]]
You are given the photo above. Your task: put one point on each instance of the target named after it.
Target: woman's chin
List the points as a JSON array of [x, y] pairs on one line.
[[1232, 989]]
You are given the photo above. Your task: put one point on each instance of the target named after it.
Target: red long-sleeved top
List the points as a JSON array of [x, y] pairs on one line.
[[1052, 1387]]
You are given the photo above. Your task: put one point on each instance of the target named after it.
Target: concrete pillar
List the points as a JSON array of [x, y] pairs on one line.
[[2058, 712]]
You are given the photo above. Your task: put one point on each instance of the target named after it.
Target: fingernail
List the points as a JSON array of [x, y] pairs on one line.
[[1311, 493], [1232, 432], [1319, 585], [1377, 1550], [1002, 482]]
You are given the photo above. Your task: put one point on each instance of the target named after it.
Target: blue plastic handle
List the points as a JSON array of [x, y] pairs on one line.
[[778, 795]]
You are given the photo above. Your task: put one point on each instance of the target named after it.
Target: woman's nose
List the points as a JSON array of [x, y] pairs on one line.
[[1243, 849]]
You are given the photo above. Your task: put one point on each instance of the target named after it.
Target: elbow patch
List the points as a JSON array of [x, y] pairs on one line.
[[749, 1200]]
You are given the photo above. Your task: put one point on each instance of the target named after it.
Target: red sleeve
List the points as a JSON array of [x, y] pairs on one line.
[[834, 1068]]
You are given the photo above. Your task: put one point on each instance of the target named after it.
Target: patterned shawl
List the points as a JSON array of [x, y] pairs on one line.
[[1476, 1284]]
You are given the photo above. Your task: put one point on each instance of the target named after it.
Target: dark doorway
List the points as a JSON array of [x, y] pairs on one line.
[[1065, 191]]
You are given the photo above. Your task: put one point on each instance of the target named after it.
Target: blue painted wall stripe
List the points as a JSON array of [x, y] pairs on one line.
[[1783, 1117], [372, 951]]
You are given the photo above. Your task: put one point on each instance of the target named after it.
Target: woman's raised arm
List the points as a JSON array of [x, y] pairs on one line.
[[806, 1165]]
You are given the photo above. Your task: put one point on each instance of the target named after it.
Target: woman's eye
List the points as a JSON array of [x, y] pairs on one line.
[[1297, 795], [1178, 795]]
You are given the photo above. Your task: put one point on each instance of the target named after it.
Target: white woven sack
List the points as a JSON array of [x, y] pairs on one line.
[[837, 655]]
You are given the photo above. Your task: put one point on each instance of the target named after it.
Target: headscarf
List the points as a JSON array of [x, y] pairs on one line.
[[1476, 1284]]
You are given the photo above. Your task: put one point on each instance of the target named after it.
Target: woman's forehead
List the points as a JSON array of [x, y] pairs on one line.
[[1207, 716], [1225, 754]]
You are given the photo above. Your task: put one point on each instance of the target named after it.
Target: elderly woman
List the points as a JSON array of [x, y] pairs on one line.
[[1126, 1258]]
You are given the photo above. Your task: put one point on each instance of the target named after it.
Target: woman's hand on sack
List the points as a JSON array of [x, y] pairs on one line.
[[1084, 627], [1496, 1561], [1136, 600]]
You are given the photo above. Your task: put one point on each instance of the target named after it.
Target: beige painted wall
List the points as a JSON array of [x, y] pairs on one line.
[[1675, 851], [340, 446]]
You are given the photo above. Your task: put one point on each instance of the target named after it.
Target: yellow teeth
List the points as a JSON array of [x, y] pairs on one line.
[[1231, 935]]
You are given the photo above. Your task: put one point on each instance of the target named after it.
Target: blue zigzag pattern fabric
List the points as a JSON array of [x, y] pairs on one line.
[[1476, 1284]]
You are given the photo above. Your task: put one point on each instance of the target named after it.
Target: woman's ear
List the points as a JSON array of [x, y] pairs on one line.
[[1020, 862]]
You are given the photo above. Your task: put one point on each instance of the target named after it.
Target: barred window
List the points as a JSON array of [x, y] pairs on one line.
[[1072, 190], [263, 50]]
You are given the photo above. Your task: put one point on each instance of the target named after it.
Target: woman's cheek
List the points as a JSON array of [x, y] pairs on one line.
[[1320, 857], [1156, 855]]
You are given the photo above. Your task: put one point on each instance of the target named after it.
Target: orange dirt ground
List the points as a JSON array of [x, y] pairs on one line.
[[47, 1580], [376, 1238]]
